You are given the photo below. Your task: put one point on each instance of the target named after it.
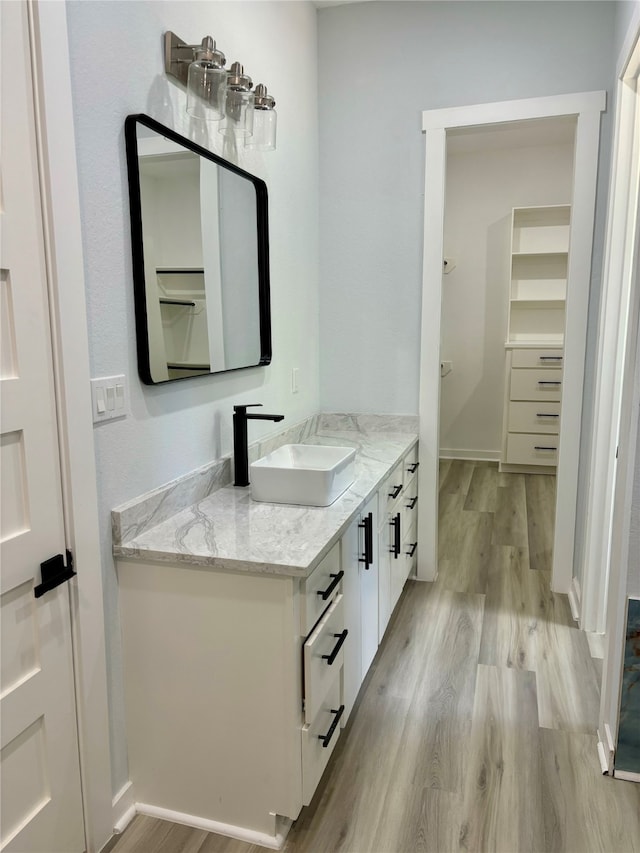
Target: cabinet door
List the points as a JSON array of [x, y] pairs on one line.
[[349, 546], [369, 588]]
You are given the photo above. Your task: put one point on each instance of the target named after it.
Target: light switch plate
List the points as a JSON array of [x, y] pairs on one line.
[[109, 398]]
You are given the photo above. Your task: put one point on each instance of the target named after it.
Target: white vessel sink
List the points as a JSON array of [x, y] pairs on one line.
[[306, 474]]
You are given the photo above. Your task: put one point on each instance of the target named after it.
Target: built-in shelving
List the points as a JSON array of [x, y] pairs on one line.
[[535, 337]]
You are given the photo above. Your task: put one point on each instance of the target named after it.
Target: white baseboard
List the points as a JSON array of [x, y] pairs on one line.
[[230, 831], [626, 775], [471, 455], [574, 599], [123, 808]]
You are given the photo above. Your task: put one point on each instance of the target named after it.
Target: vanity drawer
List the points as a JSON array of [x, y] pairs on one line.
[[320, 737], [323, 655], [527, 449], [322, 585], [389, 494], [410, 465], [409, 506], [534, 417], [549, 358], [535, 384]]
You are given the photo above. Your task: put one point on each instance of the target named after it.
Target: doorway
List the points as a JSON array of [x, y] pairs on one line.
[[506, 229], [585, 110]]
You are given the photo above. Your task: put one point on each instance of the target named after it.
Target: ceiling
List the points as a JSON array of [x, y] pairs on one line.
[[518, 134]]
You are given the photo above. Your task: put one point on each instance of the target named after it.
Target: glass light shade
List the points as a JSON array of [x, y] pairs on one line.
[[264, 131], [206, 87], [239, 113]]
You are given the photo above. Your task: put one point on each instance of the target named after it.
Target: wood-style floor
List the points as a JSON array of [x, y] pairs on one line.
[[475, 728]]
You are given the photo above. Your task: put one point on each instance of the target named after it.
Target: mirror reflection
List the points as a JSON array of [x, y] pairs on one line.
[[200, 250]]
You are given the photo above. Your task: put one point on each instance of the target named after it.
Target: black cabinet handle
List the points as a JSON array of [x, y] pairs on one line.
[[550, 358], [549, 382], [395, 523], [412, 549], [367, 525], [539, 447], [326, 739], [412, 502], [413, 467], [546, 415], [396, 491], [334, 654], [325, 593]]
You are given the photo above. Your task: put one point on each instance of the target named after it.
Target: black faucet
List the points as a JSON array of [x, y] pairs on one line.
[[240, 457]]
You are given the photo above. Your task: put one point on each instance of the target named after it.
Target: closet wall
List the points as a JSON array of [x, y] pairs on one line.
[[488, 173]]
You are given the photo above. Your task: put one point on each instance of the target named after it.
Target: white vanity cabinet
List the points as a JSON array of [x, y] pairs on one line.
[[397, 534], [238, 683], [359, 550]]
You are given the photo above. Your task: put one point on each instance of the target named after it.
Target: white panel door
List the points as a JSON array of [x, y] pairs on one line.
[[41, 803]]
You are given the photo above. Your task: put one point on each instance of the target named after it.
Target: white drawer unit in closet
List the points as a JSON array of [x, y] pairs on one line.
[[526, 449], [535, 384], [535, 337]]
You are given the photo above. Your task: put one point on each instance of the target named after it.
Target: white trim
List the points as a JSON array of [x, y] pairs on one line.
[[626, 775], [229, 830], [574, 599], [602, 757], [429, 430], [71, 366], [587, 107], [612, 335], [521, 110], [473, 455], [124, 808]]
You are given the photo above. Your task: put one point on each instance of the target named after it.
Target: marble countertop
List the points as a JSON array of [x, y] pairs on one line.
[[228, 530]]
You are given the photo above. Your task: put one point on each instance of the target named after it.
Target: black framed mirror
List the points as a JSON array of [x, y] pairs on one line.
[[200, 246]]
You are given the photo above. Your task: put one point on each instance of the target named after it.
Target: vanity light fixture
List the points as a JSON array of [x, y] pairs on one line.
[[217, 94], [201, 68], [264, 121], [239, 104]]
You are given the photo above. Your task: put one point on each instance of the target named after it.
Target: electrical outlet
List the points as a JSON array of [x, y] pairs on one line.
[[109, 398]]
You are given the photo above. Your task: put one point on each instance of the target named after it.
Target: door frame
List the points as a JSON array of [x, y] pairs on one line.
[[613, 329], [65, 276], [620, 324], [586, 106]]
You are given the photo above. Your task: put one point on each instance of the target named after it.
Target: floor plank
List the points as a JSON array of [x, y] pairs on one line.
[[584, 810], [541, 505], [510, 521], [458, 477], [501, 807], [483, 489]]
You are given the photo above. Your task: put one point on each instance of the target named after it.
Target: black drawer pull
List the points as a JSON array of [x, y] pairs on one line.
[[326, 739], [537, 447], [549, 382], [550, 358], [413, 467], [334, 654], [546, 415], [367, 525], [412, 549], [396, 491], [395, 548], [325, 593], [412, 502]]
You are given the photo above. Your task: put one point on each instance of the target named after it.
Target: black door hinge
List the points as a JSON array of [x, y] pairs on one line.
[[54, 572]]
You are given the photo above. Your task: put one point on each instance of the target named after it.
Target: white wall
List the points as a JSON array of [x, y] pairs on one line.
[[381, 64], [117, 69], [482, 188]]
